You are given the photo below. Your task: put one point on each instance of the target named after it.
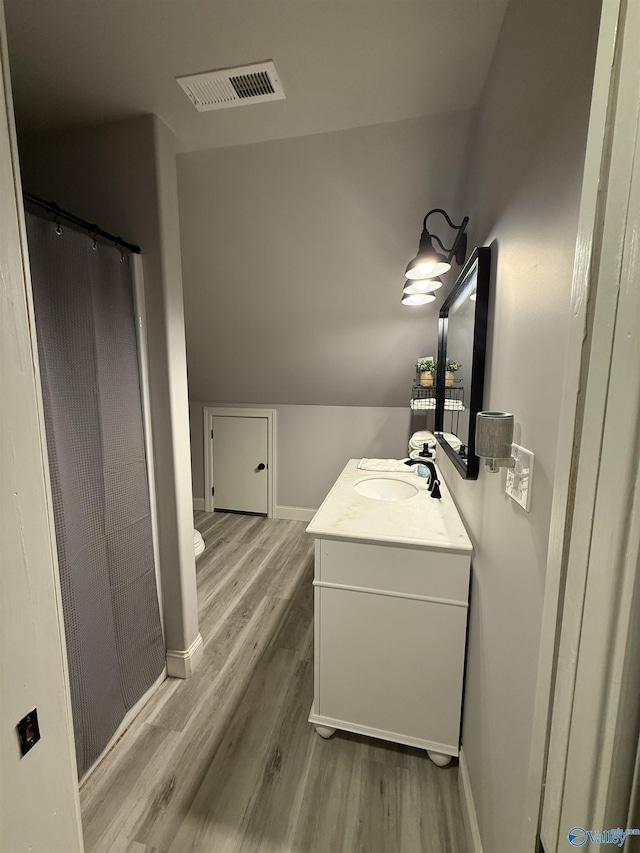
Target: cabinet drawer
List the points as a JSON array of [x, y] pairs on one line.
[[393, 569]]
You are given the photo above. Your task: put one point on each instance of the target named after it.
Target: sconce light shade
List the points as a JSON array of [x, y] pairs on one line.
[[424, 270], [422, 285], [417, 298], [427, 263], [494, 435]]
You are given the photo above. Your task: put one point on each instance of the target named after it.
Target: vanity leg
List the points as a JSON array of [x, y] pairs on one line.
[[438, 758], [325, 731]]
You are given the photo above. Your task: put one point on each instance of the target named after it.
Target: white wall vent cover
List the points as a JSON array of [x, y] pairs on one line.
[[231, 87]]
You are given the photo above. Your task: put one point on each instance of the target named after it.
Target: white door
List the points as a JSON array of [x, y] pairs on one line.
[[240, 459]]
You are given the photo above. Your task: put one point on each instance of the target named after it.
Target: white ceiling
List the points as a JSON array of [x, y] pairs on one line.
[[343, 64]]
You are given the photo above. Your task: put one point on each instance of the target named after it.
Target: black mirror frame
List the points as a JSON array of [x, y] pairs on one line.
[[480, 264]]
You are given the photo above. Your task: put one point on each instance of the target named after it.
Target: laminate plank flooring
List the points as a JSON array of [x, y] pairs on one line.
[[226, 762]]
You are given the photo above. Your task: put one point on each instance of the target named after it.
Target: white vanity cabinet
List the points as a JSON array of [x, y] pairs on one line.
[[391, 604], [390, 635]]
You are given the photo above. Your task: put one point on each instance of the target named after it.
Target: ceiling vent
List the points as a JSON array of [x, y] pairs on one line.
[[231, 87]]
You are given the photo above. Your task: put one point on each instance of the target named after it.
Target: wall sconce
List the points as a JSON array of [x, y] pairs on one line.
[[420, 291], [429, 263], [417, 298], [422, 285], [494, 436]]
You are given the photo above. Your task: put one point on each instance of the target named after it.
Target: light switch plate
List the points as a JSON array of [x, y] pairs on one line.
[[519, 477]]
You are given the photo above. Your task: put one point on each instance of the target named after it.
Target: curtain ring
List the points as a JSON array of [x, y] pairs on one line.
[[58, 226], [94, 230], [121, 247]]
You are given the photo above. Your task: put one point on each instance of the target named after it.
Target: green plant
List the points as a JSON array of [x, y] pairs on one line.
[[453, 365], [425, 365]]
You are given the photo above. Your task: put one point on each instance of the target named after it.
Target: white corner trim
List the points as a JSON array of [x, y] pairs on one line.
[[295, 513], [468, 806], [198, 504], [182, 663]]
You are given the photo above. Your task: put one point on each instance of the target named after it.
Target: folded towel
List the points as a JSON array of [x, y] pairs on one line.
[[453, 440], [423, 436], [414, 453], [430, 403], [396, 465]]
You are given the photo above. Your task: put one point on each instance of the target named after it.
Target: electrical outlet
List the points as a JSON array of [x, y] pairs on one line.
[[28, 731], [519, 477]]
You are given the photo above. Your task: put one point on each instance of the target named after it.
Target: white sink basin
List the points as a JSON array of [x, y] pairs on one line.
[[385, 489]]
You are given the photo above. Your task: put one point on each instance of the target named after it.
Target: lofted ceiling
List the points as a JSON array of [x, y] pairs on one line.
[[343, 63]]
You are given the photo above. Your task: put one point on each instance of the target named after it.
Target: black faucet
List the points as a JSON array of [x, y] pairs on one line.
[[434, 483]]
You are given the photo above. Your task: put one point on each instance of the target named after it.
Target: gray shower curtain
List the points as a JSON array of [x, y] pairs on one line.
[[85, 325]]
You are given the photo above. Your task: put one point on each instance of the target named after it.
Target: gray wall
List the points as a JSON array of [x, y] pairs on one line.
[[313, 445], [522, 192], [293, 260], [123, 175]]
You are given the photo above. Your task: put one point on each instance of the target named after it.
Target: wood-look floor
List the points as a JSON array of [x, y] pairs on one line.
[[226, 761]]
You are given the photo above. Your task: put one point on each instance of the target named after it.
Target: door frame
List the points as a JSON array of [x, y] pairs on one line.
[[42, 804], [209, 412], [582, 707]]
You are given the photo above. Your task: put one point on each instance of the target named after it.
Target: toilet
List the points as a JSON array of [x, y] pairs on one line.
[[198, 543]]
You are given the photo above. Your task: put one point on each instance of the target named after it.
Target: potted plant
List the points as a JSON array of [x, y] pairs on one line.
[[452, 366], [425, 367]]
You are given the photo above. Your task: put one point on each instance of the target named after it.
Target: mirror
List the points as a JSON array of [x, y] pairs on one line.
[[462, 338]]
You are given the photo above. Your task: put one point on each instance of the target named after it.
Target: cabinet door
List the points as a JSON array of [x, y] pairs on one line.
[[391, 664]]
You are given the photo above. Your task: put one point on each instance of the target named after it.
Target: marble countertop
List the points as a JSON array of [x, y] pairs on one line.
[[420, 521]]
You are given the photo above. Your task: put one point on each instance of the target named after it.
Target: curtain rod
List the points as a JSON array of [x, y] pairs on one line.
[[92, 229]]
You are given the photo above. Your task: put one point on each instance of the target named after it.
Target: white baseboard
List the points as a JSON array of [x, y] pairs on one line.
[[468, 807], [295, 513], [182, 663]]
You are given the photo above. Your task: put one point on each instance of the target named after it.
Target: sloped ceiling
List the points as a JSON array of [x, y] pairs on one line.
[[344, 64]]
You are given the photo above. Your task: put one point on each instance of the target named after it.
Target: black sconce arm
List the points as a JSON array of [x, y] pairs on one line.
[[446, 216], [440, 243], [459, 248]]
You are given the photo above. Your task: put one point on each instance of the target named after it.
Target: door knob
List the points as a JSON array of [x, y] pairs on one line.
[[261, 467]]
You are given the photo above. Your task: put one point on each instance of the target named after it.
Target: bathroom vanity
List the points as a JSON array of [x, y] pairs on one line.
[[392, 569]]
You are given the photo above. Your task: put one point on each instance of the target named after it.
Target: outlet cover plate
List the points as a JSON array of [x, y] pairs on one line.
[[28, 731], [520, 476]]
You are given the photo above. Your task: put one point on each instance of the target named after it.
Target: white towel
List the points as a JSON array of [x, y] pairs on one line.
[[453, 440], [395, 465], [429, 403], [417, 454], [423, 436]]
